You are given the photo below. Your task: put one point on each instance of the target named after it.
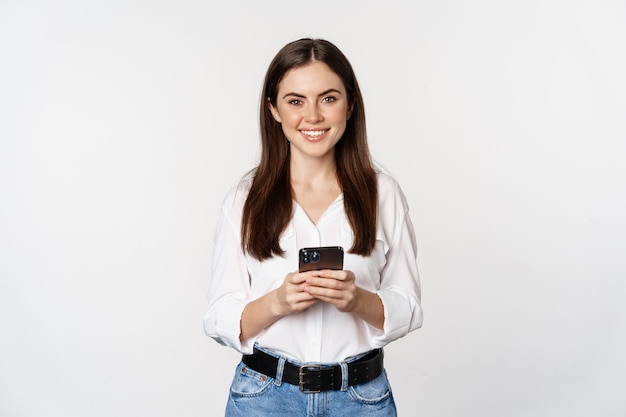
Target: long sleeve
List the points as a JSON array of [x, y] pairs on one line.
[[229, 289], [400, 289]]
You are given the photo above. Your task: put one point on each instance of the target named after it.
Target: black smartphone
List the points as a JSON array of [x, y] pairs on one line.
[[323, 257]]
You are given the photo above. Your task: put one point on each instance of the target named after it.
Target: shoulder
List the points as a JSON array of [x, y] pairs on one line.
[[387, 184], [390, 195], [236, 196]]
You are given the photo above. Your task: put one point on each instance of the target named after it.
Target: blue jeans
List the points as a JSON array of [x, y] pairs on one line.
[[253, 394]]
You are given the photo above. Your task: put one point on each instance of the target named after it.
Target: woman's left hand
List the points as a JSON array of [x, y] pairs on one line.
[[339, 289], [335, 287]]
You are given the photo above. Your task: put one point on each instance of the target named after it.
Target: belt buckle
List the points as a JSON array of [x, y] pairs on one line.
[[302, 373]]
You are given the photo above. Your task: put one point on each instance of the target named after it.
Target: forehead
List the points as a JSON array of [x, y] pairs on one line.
[[312, 78]]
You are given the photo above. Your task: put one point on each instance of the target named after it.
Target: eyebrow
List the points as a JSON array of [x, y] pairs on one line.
[[330, 90]]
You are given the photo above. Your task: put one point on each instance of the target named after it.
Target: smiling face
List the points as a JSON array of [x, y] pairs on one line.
[[312, 107]]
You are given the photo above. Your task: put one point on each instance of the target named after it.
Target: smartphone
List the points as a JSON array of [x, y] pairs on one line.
[[323, 257]]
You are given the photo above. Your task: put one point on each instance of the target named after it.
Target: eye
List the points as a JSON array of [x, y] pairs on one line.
[[329, 99], [295, 102]]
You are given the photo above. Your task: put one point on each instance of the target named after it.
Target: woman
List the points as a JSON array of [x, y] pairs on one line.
[[312, 341]]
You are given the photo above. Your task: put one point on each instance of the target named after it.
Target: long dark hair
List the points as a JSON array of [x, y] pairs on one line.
[[268, 208]]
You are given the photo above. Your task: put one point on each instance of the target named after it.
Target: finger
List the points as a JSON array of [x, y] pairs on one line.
[[300, 297], [342, 300], [296, 278], [332, 273], [326, 300], [330, 283], [323, 293]]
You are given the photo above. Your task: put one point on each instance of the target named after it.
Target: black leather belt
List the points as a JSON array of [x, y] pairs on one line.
[[317, 378]]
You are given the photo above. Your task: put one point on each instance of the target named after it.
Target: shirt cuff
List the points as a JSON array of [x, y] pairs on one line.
[[225, 328], [402, 315]]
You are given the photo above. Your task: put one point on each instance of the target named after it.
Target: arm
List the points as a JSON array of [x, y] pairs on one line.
[[234, 318], [289, 298], [339, 288], [229, 287], [399, 290], [394, 308]]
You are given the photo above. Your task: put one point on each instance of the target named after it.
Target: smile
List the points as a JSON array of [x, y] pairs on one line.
[[313, 133]]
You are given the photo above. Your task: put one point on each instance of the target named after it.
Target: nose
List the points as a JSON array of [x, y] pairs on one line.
[[313, 114]]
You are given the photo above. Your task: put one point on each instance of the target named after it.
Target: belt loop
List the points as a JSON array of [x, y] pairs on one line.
[[344, 376], [280, 369]]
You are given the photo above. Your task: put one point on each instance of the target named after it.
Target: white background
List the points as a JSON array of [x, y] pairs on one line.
[[123, 123]]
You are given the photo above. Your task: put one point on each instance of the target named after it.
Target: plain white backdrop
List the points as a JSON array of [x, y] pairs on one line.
[[123, 123]]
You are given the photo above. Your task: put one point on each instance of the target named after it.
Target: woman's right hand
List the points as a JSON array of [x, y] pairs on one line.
[[287, 299], [291, 296]]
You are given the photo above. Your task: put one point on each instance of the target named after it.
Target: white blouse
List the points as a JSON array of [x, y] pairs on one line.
[[321, 333]]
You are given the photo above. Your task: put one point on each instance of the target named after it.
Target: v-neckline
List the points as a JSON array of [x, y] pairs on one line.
[[324, 213]]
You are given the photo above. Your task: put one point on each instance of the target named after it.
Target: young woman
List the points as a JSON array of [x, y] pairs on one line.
[[312, 341]]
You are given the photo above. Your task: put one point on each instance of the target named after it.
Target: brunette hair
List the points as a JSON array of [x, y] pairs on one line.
[[268, 207]]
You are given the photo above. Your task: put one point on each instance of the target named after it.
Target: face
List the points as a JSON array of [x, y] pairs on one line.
[[312, 107]]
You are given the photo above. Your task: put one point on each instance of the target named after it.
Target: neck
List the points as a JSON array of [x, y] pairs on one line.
[[313, 171]]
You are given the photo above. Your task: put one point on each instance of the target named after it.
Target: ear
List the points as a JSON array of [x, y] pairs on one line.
[[274, 110], [350, 109]]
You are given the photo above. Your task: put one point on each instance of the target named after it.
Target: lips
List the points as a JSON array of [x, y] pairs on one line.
[[314, 134]]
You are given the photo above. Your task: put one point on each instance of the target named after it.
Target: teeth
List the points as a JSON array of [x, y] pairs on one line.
[[314, 132]]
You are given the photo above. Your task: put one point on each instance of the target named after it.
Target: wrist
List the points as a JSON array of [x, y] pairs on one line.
[[360, 301], [275, 306], [369, 307]]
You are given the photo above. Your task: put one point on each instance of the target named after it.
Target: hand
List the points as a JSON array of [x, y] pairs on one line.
[[291, 295], [335, 287]]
